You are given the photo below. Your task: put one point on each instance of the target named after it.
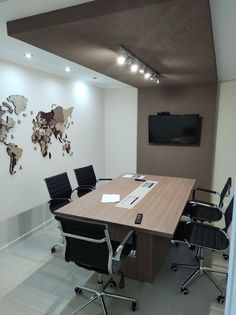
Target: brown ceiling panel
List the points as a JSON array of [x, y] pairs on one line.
[[174, 37]]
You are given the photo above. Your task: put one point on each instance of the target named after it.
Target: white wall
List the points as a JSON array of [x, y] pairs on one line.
[[225, 148], [26, 189], [120, 131], [230, 308], [225, 166]]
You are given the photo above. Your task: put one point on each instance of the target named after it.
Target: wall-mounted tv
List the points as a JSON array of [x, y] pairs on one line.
[[175, 129]]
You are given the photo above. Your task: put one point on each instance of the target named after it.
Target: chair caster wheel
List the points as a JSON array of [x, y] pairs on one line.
[[174, 268], [112, 284], [226, 257], [134, 306], [78, 291], [185, 291], [221, 299], [53, 250]]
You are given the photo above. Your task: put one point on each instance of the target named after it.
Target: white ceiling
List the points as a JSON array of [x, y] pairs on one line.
[[13, 50], [224, 29]]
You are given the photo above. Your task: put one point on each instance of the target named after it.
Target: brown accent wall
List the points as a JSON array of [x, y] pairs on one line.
[[181, 161]]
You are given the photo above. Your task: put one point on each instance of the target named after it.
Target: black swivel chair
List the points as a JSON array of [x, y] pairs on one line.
[[60, 191], [88, 244], [203, 236], [206, 211], [86, 179]]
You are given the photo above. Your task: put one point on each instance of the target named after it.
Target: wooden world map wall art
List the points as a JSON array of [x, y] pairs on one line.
[[53, 123], [45, 126]]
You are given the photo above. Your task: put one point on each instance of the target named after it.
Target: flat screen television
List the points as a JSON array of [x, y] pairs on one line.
[[175, 129]]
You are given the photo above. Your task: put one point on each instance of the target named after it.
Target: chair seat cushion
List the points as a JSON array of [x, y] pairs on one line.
[[116, 265], [203, 213], [206, 236]]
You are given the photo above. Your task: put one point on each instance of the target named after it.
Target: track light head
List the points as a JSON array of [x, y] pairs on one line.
[[134, 67], [127, 58], [147, 75], [121, 60], [157, 80], [141, 70]]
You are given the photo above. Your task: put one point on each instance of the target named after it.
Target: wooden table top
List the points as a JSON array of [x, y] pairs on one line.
[[161, 207]]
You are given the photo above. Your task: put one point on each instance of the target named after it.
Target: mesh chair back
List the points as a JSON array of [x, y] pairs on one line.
[[225, 191], [87, 253], [85, 176], [229, 214], [59, 186]]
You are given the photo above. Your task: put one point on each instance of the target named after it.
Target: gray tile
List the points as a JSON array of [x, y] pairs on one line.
[[36, 288], [202, 294], [8, 307], [35, 282], [64, 293]]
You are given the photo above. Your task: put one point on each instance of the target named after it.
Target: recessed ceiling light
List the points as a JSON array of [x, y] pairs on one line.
[[67, 69], [28, 55]]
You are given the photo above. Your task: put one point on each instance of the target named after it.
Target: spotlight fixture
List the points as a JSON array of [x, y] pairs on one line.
[[121, 60], [67, 69], [152, 77], [128, 59], [28, 55], [157, 80], [141, 70], [147, 75], [134, 67]]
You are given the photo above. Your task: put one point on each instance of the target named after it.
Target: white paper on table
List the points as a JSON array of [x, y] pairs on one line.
[[110, 198], [134, 176]]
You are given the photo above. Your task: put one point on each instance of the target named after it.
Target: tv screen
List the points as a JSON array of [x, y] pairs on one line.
[[175, 129]]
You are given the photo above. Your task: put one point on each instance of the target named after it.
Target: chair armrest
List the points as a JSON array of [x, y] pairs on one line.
[[204, 190], [59, 199], [98, 180], [84, 187], [56, 203], [204, 204], [120, 248]]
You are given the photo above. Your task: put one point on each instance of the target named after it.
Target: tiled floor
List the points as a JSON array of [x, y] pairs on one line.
[[34, 282]]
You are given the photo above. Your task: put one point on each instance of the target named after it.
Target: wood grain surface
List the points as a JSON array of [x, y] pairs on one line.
[[161, 207]]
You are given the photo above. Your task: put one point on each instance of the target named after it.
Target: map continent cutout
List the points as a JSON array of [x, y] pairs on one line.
[[15, 154], [19, 102], [16, 104], [47, 124]]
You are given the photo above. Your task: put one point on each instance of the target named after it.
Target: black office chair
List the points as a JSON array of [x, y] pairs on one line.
[[88, 244], [206, 211], [203, 236], [86, 179], [60, 191]]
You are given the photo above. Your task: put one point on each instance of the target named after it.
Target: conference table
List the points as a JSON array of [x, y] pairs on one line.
[[161, 199]]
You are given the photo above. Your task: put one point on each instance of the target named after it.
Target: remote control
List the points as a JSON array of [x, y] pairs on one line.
[[140, 180], [139, 218]]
